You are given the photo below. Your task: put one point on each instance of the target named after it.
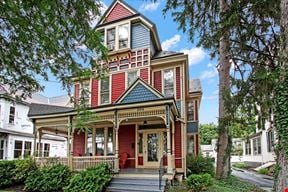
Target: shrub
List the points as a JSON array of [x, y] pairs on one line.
[[23, 169], [199, 182], [240, 165], [199, 165], [50, 178], [7, 169], [263, 171], [93, 179]]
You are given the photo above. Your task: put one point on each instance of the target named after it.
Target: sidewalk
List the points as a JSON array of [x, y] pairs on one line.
[[263, 181]]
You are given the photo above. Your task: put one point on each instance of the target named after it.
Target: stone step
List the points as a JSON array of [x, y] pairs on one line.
[[136, 184]]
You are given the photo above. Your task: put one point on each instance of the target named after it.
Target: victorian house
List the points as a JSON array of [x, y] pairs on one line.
[[146, 110]]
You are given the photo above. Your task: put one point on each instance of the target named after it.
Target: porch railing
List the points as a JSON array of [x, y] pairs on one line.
[[80, 163], [77, 163], [43, 161]]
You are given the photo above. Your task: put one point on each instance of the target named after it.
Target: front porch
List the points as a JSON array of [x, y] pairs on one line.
[[145, 132]]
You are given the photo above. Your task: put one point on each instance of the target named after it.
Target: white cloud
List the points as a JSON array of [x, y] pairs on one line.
[[209, 74], [167, 44], [210, 65], [196, 55], [149, 6]]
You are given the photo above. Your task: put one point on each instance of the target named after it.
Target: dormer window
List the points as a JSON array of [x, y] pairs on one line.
[[123, 36], [111, 39]]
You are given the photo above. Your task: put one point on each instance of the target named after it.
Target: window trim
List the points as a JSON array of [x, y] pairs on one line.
[[12, 115], [127, 75], [174, 80], [81, 85], [109, 90]]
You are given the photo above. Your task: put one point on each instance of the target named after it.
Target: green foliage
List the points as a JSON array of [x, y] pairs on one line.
[[208, 132], [240, 165], [199, 165], [50, 179], [7, 169], [93, 179], [23, 169], [233, 184], [263, 171], [199, 182], [48, 37]]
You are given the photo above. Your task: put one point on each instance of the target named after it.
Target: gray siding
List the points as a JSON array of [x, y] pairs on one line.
[[140, 36]]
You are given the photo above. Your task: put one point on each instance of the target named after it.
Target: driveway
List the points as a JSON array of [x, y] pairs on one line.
[[263, 181]]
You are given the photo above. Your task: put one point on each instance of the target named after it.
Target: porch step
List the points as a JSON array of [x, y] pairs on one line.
[[136, 184]]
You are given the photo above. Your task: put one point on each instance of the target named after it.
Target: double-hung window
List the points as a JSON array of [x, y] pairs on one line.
[[85, 93], [27, 148], [1, 149], [111, 39], [248, 147], [131, 77], [46, 149], [190, 111], [257, 146], [123, 36], [104, 93], [12, 114], [169, 82], [18, 149]]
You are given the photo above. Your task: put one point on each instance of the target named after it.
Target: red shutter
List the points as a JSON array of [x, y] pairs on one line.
[[118, 12], [178, 84], [94, 93], [118, 85], [158, 81], [77, 92], [144, 74], [178, 145]]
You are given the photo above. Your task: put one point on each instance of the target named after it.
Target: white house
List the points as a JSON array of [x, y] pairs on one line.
[[16, 130], [258, 149]]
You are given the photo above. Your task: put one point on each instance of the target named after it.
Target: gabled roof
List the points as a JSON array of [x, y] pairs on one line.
[[139, 91], [162, 54], [111, 15], [117, 6]]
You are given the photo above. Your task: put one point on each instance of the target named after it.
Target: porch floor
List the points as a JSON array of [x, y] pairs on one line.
[[139, 171]]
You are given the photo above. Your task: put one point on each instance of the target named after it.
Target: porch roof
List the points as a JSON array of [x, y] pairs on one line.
[[38, 111]]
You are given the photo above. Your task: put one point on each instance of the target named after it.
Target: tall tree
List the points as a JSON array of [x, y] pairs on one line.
[[207, 19], [39, 38], [281, 104]]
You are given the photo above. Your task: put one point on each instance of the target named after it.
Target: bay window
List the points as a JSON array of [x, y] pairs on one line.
[[169, 82], [123, 36], [111, 39]]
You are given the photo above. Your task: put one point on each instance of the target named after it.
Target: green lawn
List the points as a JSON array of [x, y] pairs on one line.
[[232, 184]]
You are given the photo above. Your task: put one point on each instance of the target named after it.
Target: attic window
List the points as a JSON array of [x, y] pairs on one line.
[[123, 36], [111, 39]]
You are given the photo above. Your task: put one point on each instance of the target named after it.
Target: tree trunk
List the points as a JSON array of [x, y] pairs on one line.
[[281, 105], [223, 149]]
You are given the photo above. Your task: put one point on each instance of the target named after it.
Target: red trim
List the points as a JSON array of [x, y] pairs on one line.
[[79, 144], [94, 93], [178, 145], [140, 160], [118, 85], [144, 74], [157, 81]]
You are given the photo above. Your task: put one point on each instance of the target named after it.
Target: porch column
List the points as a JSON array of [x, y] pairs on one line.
[[168, 125], [69, 128], [35, 138], [39, 142], [116, 127], [93, 141]]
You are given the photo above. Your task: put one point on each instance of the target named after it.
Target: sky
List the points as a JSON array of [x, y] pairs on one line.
[[200, 64]]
